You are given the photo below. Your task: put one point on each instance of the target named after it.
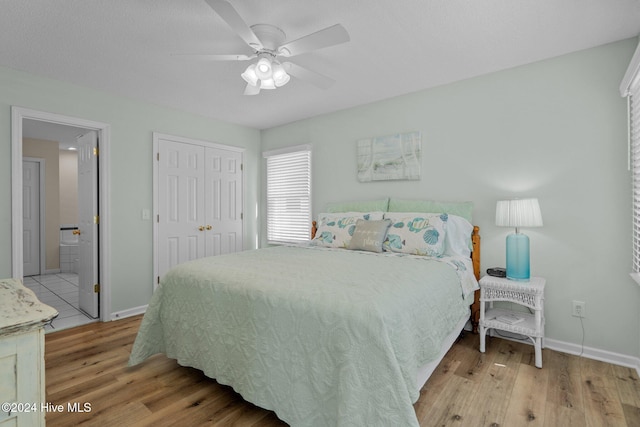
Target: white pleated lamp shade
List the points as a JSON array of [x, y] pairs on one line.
[[518, 213]]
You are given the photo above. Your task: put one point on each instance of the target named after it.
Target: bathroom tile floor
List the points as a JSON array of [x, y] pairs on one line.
[[59, 291]]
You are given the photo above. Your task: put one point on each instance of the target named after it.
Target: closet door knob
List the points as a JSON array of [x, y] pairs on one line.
[[201, 228], [209, 227]]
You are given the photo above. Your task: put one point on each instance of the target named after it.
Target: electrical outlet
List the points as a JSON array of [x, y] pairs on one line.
[[578, 308]]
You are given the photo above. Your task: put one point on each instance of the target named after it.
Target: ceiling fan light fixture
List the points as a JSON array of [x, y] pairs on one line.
[[250, 75], [283, 81], [264, 68], [264, 74], [267, 84], [280, 76]]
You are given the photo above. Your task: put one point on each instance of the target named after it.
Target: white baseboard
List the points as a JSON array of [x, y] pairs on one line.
[[576, 349], [134, 311], [594, 353]]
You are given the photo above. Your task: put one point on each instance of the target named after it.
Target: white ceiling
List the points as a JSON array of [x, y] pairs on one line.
[[397, 47], [64, 135]]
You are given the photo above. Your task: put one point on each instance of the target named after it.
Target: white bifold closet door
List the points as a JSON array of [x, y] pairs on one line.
[[199, 202]]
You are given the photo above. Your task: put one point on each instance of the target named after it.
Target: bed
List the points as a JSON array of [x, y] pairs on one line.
[[322, 334]]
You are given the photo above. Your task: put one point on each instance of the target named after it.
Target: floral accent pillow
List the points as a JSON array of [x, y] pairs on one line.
[[417, 234], [336, 230]]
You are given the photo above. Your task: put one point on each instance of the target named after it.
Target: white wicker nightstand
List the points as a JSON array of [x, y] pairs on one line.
[[529, 294]]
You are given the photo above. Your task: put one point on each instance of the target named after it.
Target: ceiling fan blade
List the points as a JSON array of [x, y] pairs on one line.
[[235, 21], [323, 82], [330, 36], [215, 57], [251, 89]]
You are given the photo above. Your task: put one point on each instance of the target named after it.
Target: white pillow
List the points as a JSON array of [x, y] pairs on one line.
[[416, 233], [458, 239]]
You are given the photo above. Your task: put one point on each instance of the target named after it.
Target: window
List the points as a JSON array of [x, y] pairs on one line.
[[634, 157], [630, 87], [289, 194]]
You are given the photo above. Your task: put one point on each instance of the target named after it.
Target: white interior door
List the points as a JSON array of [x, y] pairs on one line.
[[31, 217], [88, 223], [223, 201], [181, 222]]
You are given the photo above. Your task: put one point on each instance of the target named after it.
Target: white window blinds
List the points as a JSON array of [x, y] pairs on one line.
[[288, 195], [634, 140], [630, 87]]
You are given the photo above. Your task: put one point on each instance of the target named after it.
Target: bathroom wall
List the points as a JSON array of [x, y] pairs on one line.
[[48, 150], [68, 187]]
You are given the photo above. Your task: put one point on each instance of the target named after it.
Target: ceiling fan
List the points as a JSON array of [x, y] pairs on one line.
[[268, 44]]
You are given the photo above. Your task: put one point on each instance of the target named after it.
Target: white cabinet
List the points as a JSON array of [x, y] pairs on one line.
[[22, 384], [22, 379]]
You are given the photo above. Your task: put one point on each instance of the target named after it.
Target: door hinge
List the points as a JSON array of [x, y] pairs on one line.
[[96, 288], [241, 215], [241, 166], [158, 156], [96, 219], [157, 218], [95, 151], [158, 280]]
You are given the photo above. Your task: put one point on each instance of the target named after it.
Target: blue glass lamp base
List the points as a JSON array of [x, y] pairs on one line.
[[518, 257]]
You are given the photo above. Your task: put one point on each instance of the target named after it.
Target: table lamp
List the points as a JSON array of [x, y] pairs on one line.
[[518, 213]]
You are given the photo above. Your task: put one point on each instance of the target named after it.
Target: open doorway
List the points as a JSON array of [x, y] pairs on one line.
[[67, 242], [53, 264]]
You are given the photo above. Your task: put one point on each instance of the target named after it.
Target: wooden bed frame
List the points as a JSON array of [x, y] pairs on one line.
[[475, 260]]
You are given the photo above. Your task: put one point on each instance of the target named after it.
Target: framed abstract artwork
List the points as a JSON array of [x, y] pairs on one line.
[[390, 157]]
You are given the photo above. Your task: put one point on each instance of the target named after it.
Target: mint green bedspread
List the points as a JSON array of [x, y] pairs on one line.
[[321, 337]]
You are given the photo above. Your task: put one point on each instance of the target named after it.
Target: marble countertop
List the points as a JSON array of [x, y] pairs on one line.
[[20, 309]]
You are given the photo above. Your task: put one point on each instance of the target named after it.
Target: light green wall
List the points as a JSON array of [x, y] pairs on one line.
[[555, 130], [132, 124]]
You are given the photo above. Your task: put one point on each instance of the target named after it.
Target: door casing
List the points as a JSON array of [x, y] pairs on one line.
[[18, 114]]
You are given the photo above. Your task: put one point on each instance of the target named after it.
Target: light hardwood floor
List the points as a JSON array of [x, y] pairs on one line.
[[499, 388]]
